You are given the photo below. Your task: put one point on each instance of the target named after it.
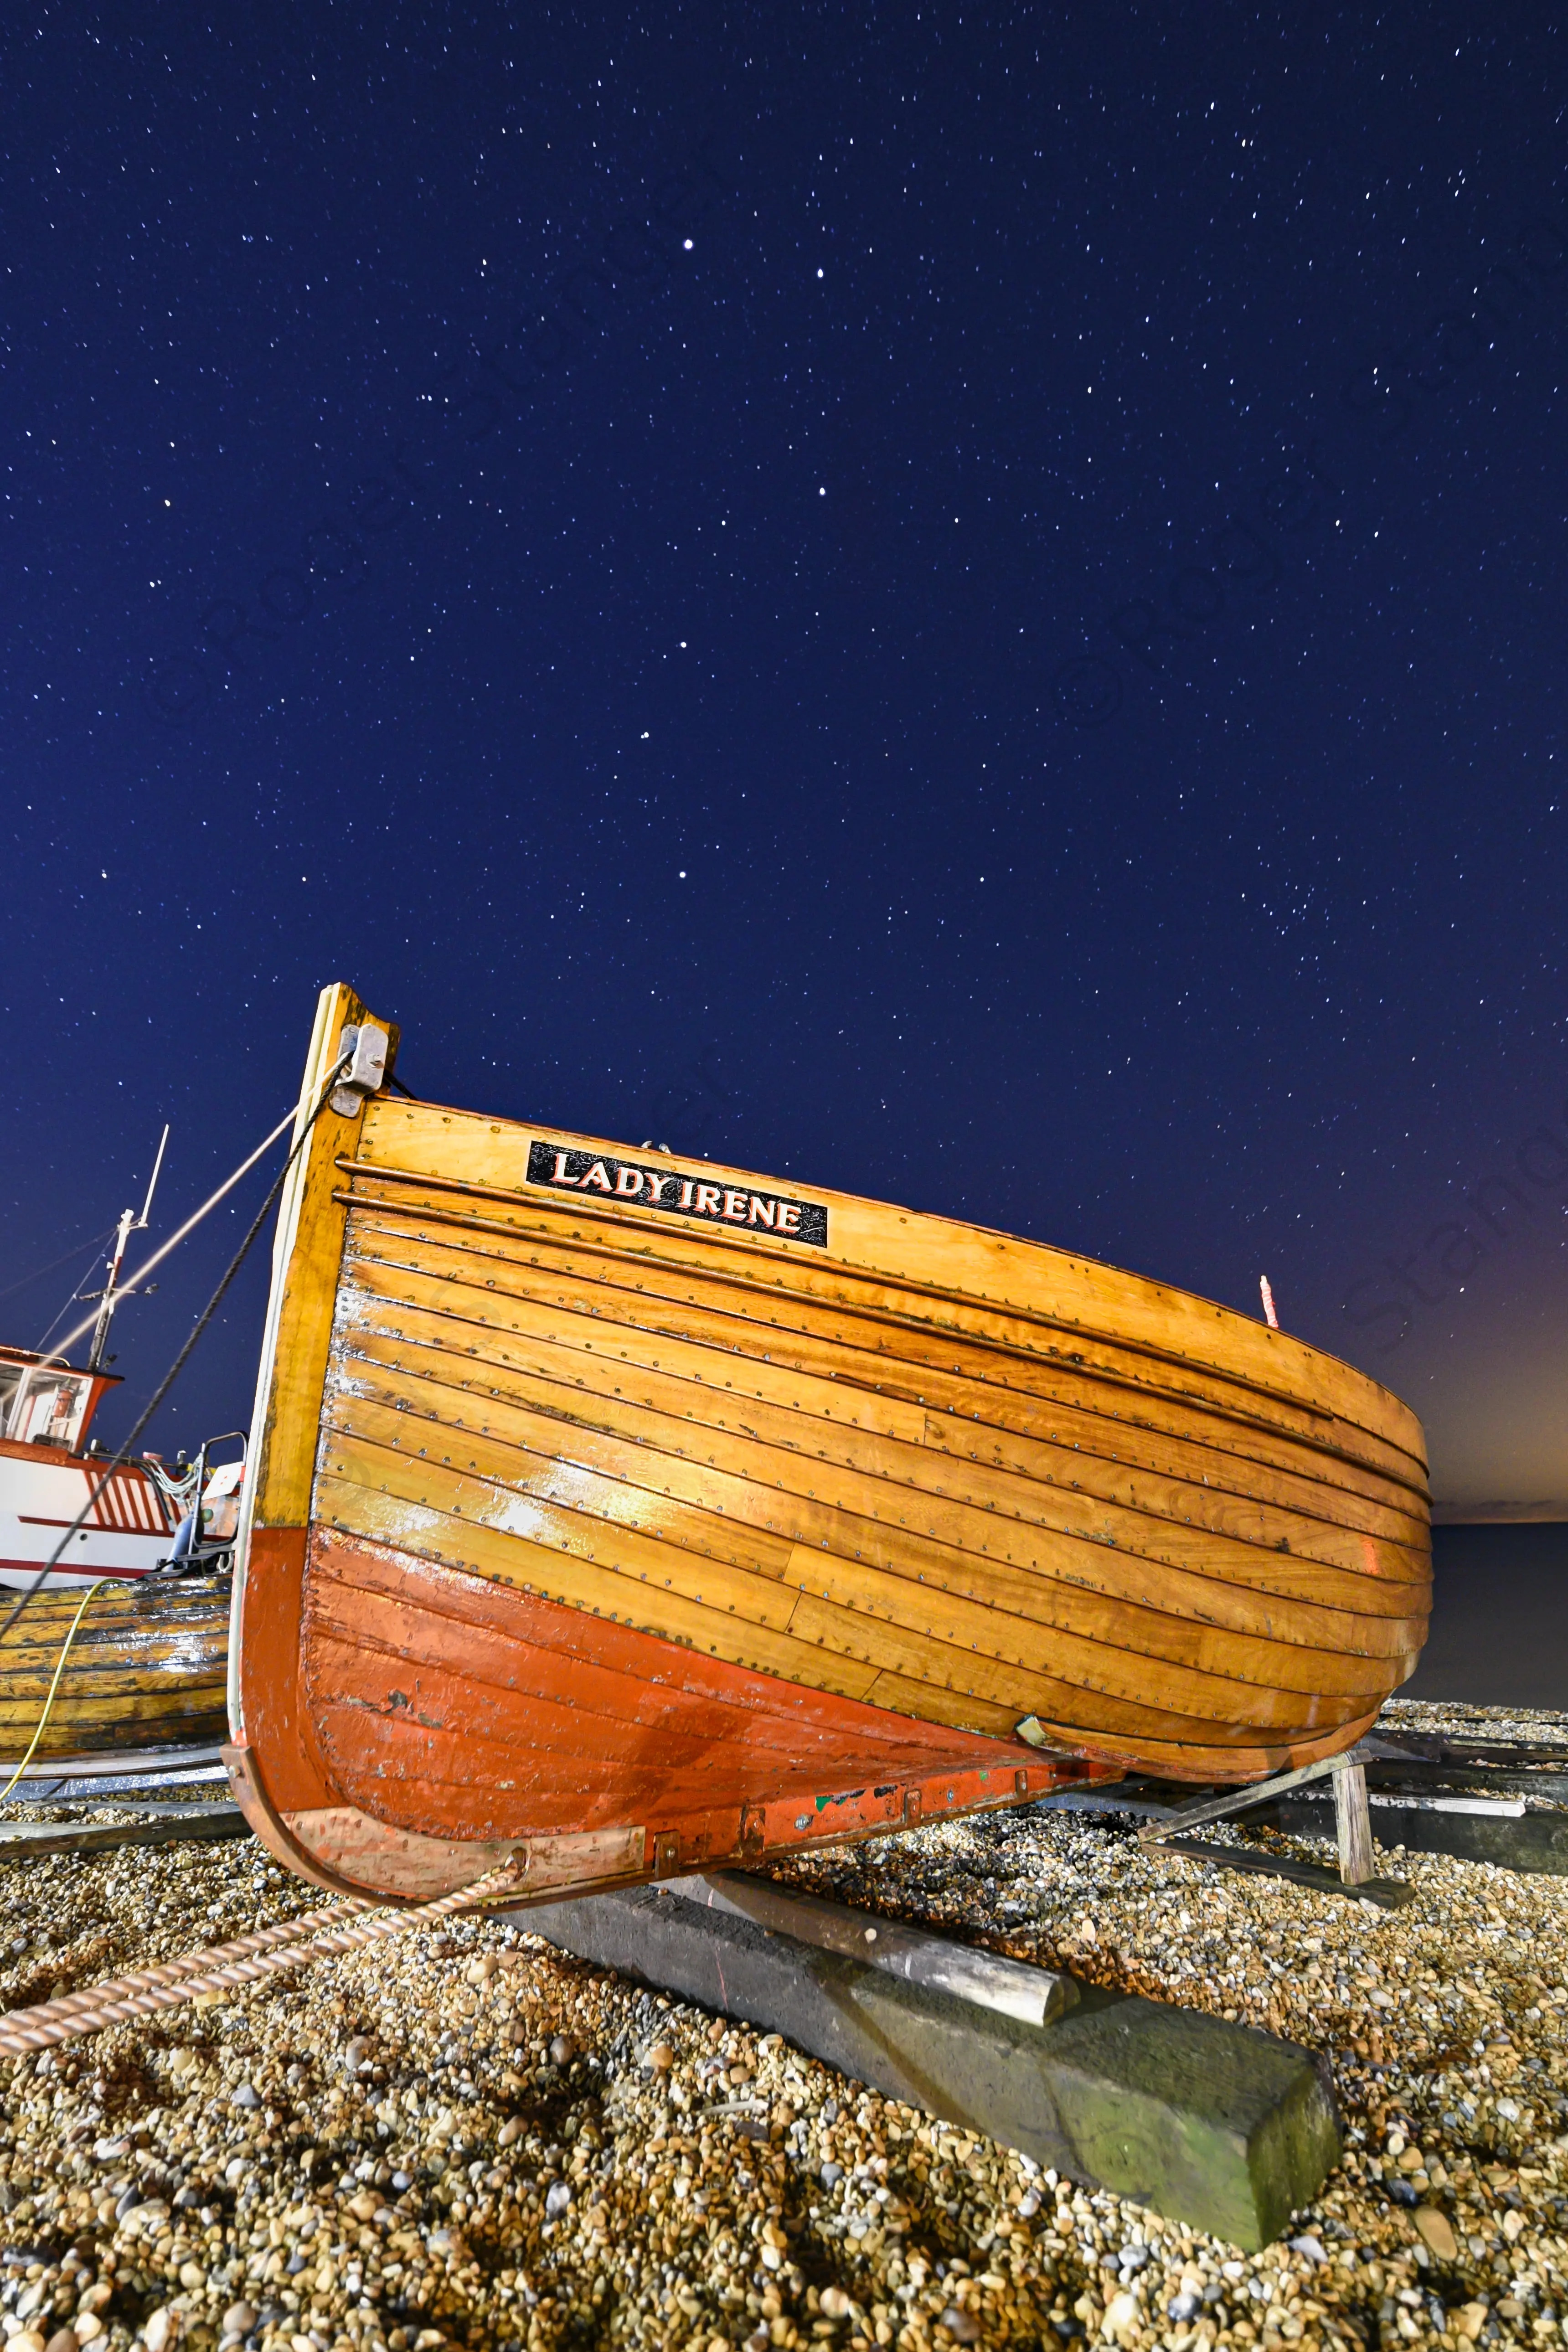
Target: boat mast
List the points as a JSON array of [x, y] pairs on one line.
[[129, 1224]]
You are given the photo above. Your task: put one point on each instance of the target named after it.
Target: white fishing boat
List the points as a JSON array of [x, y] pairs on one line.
[[60, 1494], [49, 1476]]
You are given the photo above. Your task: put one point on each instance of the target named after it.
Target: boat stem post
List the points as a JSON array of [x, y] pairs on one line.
[[1353, 1821]]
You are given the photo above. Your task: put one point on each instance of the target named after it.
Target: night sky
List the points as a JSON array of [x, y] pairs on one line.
[[967, 605]]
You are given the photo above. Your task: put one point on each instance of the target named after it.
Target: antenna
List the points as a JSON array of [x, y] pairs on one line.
[[141, 1224], [110, 1294]]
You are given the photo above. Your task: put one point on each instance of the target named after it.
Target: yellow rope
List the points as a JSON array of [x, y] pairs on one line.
[[54, 1687]]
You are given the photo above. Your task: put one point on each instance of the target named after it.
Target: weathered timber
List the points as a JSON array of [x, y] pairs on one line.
[[1352, 1824], [1014, 1988], [1536, 1845], [138, 1765], [1437, 1747], [1449, 1812], [1352, 1820], [1218, 2126], [171, 1826], [123, 1793], [146, 1668], [1388, 1893]]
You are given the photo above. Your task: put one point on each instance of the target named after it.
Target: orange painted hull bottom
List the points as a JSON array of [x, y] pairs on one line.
[[446, 1722]]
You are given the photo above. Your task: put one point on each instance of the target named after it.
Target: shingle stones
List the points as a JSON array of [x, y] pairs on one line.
[[475, 2142]]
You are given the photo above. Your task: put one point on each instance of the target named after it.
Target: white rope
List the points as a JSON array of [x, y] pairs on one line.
[[303, 1126], [81, 1331]]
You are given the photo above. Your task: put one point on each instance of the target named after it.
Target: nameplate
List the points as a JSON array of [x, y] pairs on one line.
[[676, 1192]]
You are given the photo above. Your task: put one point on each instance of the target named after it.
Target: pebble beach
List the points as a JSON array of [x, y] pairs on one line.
[[466, 2138]]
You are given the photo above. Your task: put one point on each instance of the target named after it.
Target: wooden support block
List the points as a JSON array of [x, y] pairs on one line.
[[1013, 1987], [1352, 1820]]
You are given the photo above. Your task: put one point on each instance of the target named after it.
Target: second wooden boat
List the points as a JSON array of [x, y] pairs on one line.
[[145, 1671], [629, 1514]]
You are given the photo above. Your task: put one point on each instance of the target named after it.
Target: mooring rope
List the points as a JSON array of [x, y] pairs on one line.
[[203, 1319], [224, 1968], [49, 1701]]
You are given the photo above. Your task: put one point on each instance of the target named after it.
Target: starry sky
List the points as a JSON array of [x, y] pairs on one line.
[[966, 605]]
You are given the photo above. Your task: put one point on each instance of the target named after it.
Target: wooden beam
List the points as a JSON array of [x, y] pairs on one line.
[[1353, 1823], [181, 1822]]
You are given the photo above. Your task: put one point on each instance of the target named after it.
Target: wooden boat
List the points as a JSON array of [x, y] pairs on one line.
[[626, 1515], [146, 1670]]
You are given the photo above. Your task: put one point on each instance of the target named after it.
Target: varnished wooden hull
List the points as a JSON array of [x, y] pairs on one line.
[[147, 1669], [617, 1527]]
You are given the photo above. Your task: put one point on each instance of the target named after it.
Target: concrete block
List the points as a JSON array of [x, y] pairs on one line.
[[1218, 2126]]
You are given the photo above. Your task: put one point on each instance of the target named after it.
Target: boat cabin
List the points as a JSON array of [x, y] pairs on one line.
[[43, 1402]]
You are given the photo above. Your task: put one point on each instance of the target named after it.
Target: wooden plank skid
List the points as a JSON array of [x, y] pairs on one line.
[[1388, 1893], [1033, 1995], [191, 1760], [176, 1825]]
